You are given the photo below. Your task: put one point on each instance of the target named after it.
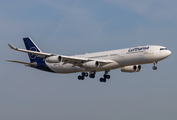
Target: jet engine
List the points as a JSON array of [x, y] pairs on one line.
[[91, 64], [54, 59], [138, 68], [132, 68]]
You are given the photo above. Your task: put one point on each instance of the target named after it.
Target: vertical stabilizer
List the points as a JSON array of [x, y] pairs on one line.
[[30, 45]]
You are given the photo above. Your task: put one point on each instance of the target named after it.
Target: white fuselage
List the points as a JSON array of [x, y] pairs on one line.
[[120, 58]]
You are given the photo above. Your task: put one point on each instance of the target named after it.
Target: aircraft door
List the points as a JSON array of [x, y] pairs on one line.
[[151, 52], [122, 53]]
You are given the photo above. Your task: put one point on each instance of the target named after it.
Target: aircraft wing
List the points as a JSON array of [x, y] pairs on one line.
[[76, 61], [40, 54]]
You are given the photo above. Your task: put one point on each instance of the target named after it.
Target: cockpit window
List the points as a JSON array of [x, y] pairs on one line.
[[163, 48]]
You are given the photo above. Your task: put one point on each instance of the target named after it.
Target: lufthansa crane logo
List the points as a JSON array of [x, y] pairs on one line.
[[32, 56]]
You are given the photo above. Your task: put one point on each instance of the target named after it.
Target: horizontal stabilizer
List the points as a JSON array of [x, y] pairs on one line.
[[12, 47], [26, 63]]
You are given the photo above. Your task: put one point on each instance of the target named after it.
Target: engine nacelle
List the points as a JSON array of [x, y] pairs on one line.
[[138, 68], [91, 64], [132, 68], [54, 59]]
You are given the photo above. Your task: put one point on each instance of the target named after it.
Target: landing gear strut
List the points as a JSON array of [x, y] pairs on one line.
[[84, 74], [105, 76], [154, 67]]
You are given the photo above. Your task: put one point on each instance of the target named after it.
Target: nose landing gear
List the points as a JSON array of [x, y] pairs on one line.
[[154, 67]]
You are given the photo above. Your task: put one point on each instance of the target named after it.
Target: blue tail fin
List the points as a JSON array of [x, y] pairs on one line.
[[30, 45]]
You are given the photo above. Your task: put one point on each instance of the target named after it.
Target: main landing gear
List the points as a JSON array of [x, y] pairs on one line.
[[154, 67], [84, 74], [105, 76], [92, 75]]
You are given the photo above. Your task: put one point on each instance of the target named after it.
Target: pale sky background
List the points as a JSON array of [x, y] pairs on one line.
[[72, 27]]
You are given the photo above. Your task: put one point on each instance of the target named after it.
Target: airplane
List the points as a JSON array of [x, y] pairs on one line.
[[129, 60]]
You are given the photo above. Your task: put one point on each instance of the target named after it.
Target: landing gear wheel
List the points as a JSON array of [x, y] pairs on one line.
[[102, 79], [86, 74], [107, 76], [92, 76], [81, 77], [154, 67], [83, 74]]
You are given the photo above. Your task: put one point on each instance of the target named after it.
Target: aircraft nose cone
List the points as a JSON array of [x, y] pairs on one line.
[[168, 53]]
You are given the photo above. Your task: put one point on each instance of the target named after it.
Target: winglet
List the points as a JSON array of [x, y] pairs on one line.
[[12, 47]]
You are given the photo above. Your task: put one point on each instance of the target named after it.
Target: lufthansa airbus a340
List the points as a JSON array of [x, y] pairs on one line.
[[129, 60]]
